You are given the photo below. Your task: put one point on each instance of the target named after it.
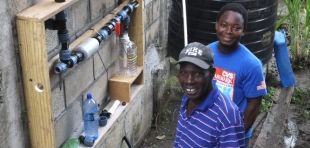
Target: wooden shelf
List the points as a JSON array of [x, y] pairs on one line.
[[120, 86]]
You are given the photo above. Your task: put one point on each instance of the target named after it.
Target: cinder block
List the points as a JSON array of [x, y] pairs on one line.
[[147, 110], [148, 15], [133, 119], [100, 8], [157, 10], [58, 101], [146, 2], [80, 15], [51, 40], [99, 89], [78, 80], [152, 34], [68, 122], [113, 138], [108, 52]]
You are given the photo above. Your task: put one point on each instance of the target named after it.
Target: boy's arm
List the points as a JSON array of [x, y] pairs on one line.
[[251, 112]]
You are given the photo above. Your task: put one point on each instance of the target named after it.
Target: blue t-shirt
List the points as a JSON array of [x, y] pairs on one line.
[[216, 122], [239, 75]]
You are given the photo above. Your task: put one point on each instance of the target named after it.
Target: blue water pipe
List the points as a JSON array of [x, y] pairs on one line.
[[281, 51]]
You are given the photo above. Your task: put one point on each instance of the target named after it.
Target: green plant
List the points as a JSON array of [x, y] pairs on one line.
[[301, 98], [307, 19], [267, 100], [298, 25]]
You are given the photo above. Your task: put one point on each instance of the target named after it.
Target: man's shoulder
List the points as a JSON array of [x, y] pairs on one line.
[[249, 57], [226, 104], [228, 109], [213, 45]]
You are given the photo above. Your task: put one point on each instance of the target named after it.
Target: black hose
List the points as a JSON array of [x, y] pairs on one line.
[[126, 141]]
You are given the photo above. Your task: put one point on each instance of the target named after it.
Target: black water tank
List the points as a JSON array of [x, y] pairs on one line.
[[201, 17]]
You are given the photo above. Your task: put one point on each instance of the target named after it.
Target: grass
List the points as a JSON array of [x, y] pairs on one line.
[[298, 26], [301, 98], [267, 100]]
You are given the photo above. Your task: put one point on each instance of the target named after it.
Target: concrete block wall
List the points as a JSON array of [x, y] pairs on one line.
[[12, 111], [91, 75], [69, 89]]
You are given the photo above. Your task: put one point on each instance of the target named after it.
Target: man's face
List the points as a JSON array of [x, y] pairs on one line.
[[194, 81], [229, 28]]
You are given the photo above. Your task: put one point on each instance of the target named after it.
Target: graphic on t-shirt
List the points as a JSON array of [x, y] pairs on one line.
[[261, 86], [225, 81]]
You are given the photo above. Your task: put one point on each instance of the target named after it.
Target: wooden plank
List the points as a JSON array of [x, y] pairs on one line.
[[33, 55], [120, 86], [271, 134], [44, 10], [137, 31], [127, 79], [119, 91], [91, 32]]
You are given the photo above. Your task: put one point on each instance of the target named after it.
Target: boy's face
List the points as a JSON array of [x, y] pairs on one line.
[[229, 28], [194, 81]]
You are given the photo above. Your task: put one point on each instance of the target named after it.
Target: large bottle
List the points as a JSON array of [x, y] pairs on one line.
[[128, 56], [91, 122]]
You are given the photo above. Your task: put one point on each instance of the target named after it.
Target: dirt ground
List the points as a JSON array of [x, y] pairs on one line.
[[299, 112], [163, 131]]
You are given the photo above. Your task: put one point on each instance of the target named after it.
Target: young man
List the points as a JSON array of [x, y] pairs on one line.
[[239, 73], [207, 118]]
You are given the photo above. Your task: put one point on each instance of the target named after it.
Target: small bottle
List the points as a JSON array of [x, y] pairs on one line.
[[90, 117], [128, 56], [132, 59]]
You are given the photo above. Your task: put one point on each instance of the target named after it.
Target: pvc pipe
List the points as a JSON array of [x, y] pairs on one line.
[[113, 108], [184, 22], [88, 47]]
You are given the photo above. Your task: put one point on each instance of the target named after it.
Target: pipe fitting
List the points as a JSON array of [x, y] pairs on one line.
[[87, 48], [60, 68]]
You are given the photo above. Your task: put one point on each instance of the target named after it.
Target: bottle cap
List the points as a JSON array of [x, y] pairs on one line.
[[89, 96]]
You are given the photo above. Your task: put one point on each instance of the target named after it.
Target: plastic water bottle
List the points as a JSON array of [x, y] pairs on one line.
[[132, 58], [90, 117], [128, 56]]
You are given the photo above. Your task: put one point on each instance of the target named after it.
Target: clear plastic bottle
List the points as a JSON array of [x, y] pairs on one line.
[[128, 56], [90, 117]]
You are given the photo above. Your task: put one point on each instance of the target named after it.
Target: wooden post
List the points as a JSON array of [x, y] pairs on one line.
[[36, 81], [137, 31], [35, 71], [35, 66]]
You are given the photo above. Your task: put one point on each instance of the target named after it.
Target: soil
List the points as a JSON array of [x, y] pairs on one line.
[[299, 110], [163, 130]]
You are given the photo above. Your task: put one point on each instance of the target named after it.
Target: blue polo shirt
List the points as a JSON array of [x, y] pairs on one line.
[[216, 122]]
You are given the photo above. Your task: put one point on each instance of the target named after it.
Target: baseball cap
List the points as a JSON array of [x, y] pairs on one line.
[[197, 54]]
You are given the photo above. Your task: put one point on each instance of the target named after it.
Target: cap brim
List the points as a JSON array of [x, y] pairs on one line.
[[195, 61]]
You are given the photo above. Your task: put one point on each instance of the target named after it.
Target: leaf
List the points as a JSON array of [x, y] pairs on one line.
[[281, 21], [71, 143]]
